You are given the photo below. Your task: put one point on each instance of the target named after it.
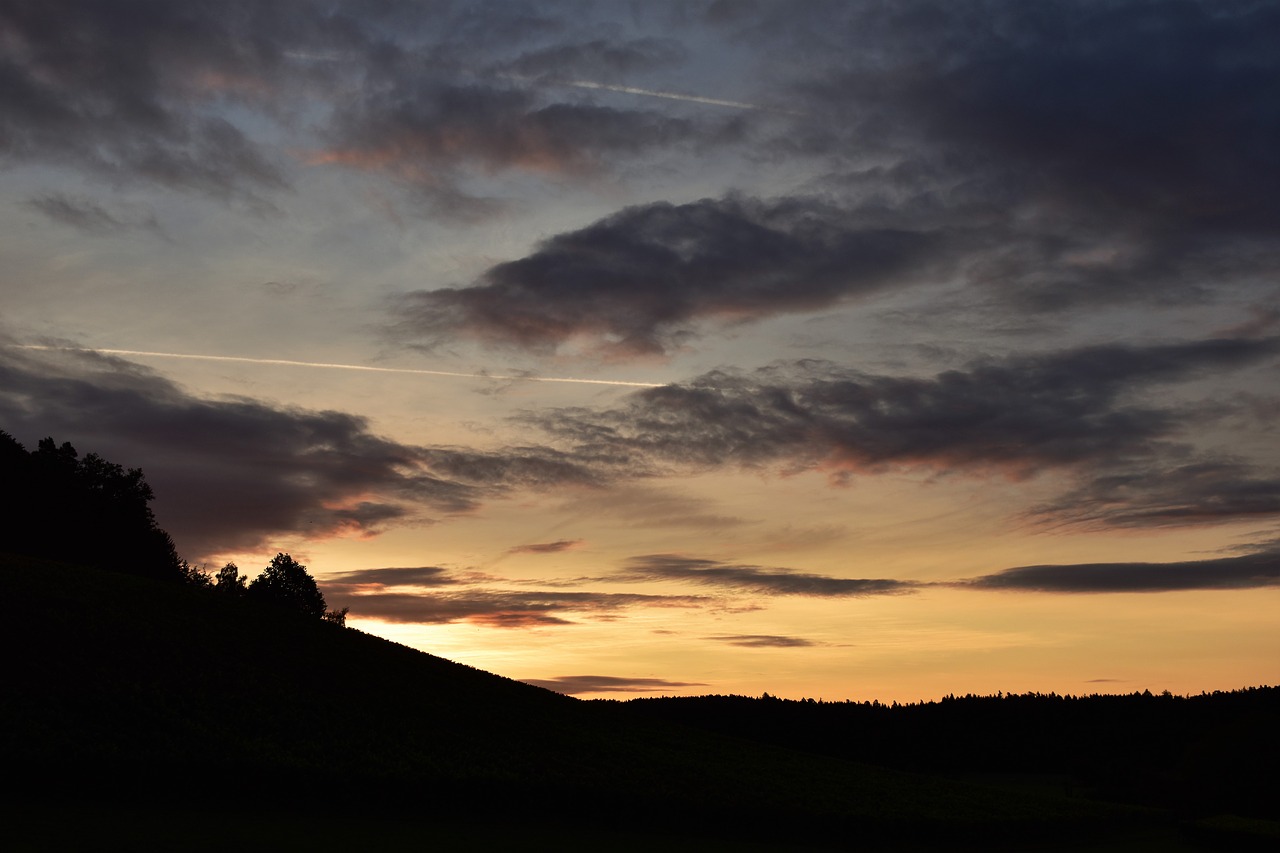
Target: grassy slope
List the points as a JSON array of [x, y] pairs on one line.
[[159, 700]]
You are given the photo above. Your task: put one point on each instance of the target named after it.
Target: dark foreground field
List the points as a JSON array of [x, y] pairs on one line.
[[140, 715]]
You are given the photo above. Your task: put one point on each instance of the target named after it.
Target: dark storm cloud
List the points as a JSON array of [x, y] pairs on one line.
[[770, 581], [762, 641], [1249, 571], [500, 608], [573, 684], [1069, 408], [637, 282], [233, 472]]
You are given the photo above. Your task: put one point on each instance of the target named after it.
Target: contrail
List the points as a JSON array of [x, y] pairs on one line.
[[653, 93], [333, 366]]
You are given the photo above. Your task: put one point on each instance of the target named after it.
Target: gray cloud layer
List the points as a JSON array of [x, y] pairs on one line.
[[755, 579], [187, 95], [234, 472], [635, 282], [1250, 571], [1018, 414], [1049, 156], [500, 608]]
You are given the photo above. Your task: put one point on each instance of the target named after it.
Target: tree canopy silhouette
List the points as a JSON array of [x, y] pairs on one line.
[[87, 510], [286, 583]]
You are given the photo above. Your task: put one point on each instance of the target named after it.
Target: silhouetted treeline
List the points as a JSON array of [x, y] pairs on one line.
[[284, 584], [1207, 754], [87, 511]]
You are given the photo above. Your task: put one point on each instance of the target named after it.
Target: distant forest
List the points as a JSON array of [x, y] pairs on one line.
[[1208, 753], [90, 512]]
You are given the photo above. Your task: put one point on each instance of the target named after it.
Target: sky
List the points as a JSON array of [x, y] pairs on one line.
[[844, 350]]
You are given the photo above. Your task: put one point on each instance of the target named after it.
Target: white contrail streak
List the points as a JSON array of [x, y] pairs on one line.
[[653, 93], [283, 362]]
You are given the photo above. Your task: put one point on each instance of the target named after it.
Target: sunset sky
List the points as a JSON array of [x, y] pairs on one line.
[[848, 350]]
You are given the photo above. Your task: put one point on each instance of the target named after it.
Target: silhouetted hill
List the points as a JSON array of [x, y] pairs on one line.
[[137, 697], [1198, 755]]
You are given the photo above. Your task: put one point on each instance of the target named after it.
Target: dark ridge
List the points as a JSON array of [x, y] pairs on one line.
[[140, 697], [1196, 756]]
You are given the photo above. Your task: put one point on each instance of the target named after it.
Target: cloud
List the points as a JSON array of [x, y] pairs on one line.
[[232, 473], [640, 281], [188, 96], [1114, 106], [1071, 408], [500, 608], [547, 547], [762, 641], [89, 216], [1201, 492], [769, 581], [121, 92], [573, 684], [1089, 135], [422, 131], [597, 59], [632, 504], [421, 576], [1249, 571]]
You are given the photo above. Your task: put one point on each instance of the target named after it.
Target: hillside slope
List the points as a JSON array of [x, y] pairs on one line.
[[131, 692]]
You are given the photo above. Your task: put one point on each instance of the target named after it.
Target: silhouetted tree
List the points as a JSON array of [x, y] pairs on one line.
[[286, 583], [337, 617], [87, 511], [195, 575], [229, 581]]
